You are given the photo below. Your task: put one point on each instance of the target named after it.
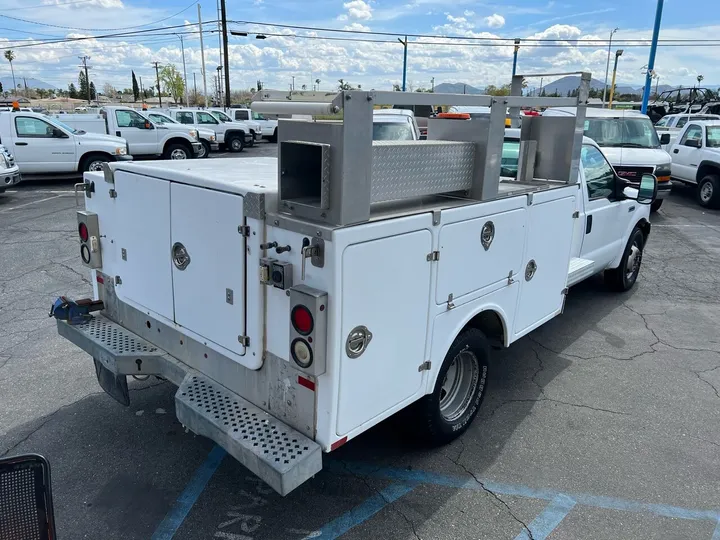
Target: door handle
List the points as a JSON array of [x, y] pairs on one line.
[[21, 144], [117, 134], [675, 151], [588, 224]]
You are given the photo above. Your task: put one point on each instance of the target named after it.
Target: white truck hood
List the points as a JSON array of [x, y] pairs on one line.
[[636, 157], [87, 136]]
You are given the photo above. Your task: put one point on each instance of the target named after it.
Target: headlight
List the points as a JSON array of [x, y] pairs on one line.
[[193, 133], [4, 164], [212, 138], [120, 151], [662, 172]]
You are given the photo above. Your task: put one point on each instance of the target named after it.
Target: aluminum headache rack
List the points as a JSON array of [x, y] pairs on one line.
[[331, 172]]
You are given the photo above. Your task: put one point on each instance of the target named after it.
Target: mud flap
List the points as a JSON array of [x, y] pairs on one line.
[[114, 385]]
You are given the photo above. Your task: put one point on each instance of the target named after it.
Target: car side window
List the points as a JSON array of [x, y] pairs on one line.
[[663, 122], [599, 174], [241, 115], [33, 127], [682, 121], [692, 132], [185, 118], [206, 118]]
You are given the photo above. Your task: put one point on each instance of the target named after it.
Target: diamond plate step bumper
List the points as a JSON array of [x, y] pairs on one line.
[[281, 456]]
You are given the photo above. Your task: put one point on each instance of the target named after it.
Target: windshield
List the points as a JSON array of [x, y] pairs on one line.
[[162, 119], [622, 132], [664, 121], [66, 127], [222, 116], [510, 158], [713, 136], [392, 131]]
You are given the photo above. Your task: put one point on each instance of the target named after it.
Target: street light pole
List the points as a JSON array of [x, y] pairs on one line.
[[618, 54], [404, 44], [607, 66], [651, 60], [226, 59], [515, 53], [182, 47], [202, 55]]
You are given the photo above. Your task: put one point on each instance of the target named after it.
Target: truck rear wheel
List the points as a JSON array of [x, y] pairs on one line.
[[94, 162], [235, 143], [459, 390], [624, 276], [177, 151], [708, 191]]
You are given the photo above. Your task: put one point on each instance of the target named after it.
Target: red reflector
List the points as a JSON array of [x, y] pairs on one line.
[[99, 279], [83, 232], [338, 444], [302, 320], [307, 383]]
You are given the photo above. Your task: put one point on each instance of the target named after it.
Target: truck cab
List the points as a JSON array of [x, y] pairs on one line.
[[696, 160], [630, 143], [208, 137], [269, 127], [232, 135], [44, 145], [254, 127]]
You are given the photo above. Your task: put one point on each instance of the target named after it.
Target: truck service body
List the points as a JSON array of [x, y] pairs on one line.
[[298, 301]]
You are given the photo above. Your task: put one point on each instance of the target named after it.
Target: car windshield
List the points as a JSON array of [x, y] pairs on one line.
[[622, 132], [510, 158], [222, 116], [664, 121], [392, 131], [162, 119], [713, 136], [68, 128]]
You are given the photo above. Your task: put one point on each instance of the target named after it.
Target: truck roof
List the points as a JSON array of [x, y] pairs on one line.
[[592, 112], [256, 175], [704, 122]]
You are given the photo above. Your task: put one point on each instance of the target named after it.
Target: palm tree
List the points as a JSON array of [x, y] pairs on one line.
[[304, 86], [10, 56], [317, 82]]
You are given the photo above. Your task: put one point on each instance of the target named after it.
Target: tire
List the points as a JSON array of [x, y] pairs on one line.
[[623, 277], [235, 143], [93, 162], [708, 191], [459, 390], [655, 206], [176, 151], [252, 141], [205, 152], [273, 137]]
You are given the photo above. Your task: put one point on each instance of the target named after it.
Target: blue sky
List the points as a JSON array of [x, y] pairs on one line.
[[277, 59]]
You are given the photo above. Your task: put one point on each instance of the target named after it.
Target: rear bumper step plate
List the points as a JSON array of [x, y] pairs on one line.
[[278, 454]]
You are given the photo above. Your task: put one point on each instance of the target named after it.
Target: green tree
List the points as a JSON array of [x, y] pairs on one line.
[[172, 81], [83, 85], [72, 91], [135, 88], [93, 93], [492, 90], [10, 56]]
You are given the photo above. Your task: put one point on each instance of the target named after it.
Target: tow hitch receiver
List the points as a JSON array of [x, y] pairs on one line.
[[74, 311]]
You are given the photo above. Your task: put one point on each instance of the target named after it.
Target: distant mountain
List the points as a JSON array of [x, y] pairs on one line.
[[567, 84], [7, 82], [457, 88]]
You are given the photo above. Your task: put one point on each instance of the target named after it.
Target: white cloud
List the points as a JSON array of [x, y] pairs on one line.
[[358, 9], [70, 4], [494, 21], [357, 27], [468, 13]]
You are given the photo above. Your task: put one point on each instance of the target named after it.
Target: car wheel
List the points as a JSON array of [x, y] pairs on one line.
[[459, 389], [624, 276], [177, 151], [94, 163], [204, 151], [708, 191], [235, 143], [655, 206], [273, 137]]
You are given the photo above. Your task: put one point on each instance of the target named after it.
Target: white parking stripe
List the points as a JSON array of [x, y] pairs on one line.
[[5, 210]]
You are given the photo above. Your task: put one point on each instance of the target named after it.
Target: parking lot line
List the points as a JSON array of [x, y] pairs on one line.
[[549, 519], [5, 210], [716, 534], [177, 514]]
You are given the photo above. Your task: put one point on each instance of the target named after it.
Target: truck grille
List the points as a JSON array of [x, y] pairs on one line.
[[633, 174]]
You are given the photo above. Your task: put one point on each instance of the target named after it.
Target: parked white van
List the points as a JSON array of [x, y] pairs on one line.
[[629, 141]]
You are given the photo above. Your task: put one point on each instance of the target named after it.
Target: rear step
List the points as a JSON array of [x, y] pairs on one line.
[[281, 456], [579, 269]]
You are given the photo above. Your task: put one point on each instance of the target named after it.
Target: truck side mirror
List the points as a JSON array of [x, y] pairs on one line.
[[58, 134], [148, 125], [694, 143], [647, 192], [665, 138]]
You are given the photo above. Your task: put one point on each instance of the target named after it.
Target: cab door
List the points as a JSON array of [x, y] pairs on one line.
[[604, 215], [140, 133], [685, 159], [40, 147]]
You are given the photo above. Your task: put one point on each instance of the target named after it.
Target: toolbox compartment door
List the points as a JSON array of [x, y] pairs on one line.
[[209, 292], [386, 288]]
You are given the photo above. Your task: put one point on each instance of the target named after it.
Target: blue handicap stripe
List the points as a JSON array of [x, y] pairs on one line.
[[549, 519], [716, 534]]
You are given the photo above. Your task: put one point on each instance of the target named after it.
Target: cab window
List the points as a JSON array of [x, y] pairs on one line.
[[33, 127], [126, 119], [257, 116], [693, 132], [185, 117], [664, 121], [241, 115], [206, 118], [682, 121], [599, 174]]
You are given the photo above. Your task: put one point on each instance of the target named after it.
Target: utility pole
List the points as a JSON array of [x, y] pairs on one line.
[[142, 90], [226, 59], [618, 54], [607, 66], [293, 83], [651, 61], [84, 60], [195, 87], [182, 47], [432, 84], [515, 52], [404, 44], [202, 55], [157, 75]]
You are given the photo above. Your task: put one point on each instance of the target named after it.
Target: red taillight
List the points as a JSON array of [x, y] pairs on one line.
[[302, 320], [83, 232]]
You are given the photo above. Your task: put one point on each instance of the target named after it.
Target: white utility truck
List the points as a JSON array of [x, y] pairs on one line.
[[208, 137], [144, 137], [696, 160], [43, 145], [269, 127], [234, 136], [254, 127], [9, 171], [296, 302]]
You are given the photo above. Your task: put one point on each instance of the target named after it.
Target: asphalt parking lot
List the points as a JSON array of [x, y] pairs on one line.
[[602, 424]]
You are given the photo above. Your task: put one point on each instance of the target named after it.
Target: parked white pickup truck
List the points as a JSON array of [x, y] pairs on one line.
[[269, 127], [296, 310], [9, 171], [233, 136], [255, 128], [144, 137], [696, 160], [208, 137], [43, 145]]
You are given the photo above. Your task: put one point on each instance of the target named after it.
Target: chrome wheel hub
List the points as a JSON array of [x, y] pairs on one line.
[[178, 154], [706, 192], [633, 261], [459, 385], [96, 166]]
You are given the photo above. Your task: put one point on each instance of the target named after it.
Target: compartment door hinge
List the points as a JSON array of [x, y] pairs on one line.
[[576, 214], [244, 341], [433, 256], [244, 230], [425, 366], [113, 193]]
